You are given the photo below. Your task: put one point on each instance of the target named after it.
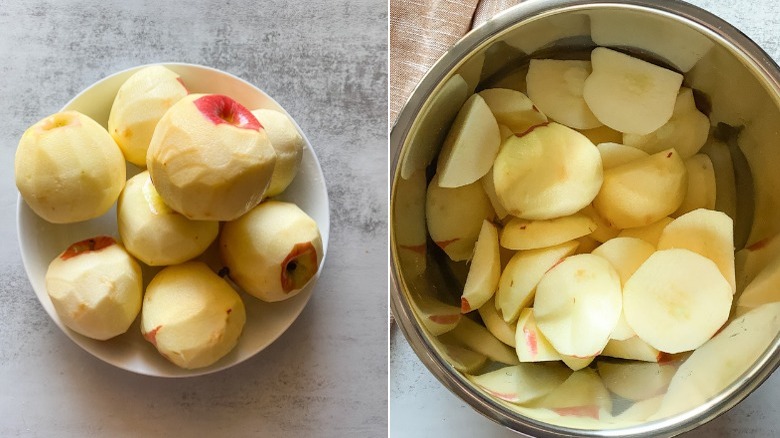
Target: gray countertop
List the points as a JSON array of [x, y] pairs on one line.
[[325, 63], [420, 406]]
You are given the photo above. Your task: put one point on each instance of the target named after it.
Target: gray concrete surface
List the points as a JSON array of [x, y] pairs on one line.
[[325, 62], [421, 407]]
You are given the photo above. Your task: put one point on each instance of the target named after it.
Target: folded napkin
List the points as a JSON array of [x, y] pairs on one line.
[[421, 31]]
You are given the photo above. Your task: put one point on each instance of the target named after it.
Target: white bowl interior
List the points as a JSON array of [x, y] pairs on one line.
[[42, 241]]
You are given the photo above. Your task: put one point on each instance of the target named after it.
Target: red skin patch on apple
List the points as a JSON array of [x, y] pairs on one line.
[[530, 340], [503, 395], [529, 130], [465, 307], [444, 319], [220, 109], [556, 264], [93, 244], [306, 252], [578, 411], [443, 243], [151, 336], [415, 248], [758, 245]]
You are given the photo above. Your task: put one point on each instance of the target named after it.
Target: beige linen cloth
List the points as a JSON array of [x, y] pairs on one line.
[[422, 30]]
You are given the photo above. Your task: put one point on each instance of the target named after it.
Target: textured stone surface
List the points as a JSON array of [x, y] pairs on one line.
[[325, 63], [421, 406]]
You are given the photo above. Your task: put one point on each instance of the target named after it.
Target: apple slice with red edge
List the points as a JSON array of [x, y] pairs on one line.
[[530, 343]]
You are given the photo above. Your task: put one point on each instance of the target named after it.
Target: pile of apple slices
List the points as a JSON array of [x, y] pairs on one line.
[[213, 168], [579, 250]]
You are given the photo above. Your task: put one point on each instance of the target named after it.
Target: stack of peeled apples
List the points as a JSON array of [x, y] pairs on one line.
[[208, 160], [587, 214]]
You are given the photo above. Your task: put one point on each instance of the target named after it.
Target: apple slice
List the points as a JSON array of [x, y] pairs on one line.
[[437, 317], [454, 217], [721, 361], [604, 230], [625, 254], [512, 109], [524, 234], [754, 258], [470, 335], [642, 191], [640, 411], [485, 270], [471, 145], [490, 191], [725, 185], [687, 130], [494, 322], [615, 154], [522, 383], [582, 395], [628, 94], [462, 359], [602, 134], [701, 185], [633, 348], [676, 300], [409, 230], [518, 281], [649, 233], [548, 172], [555, 86], [577, 363], [578, 304], [706, 232], [530, 343], [636, 380], [763, 288]]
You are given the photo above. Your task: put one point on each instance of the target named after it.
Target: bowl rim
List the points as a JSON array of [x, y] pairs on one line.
[[718, 30], [307, 290]]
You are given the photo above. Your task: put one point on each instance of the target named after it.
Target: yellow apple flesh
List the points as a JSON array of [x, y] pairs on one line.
[[288, 144]]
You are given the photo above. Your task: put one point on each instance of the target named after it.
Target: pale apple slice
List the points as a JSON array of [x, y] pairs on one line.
[[551, 171], [701, 192], [604, 230], [642, 191], [649, 233], [636, 380], [628, 94], [721, 361], [485, 270], [530, 343], [437, 317], [577, 304], [490, 191], [640, 411], [505, 132], [633, 348], [462, 359], [522, 383], [471, 145], [454, 217], [625, 254], [706, 232], [525, 234], [676, 300], [577, 363], [409, 231], [555, 86], [583, 394], [494, 322], [518, 281], [473, 336], [686, 131], [615, 154], [725, 185], [602, 134], [763, 288], [754, 258], [513, 109]]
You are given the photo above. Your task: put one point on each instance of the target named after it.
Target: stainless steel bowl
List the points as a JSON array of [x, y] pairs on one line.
[[736, 83]]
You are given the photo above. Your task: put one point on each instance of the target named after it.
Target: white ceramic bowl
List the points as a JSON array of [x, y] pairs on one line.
[[41, 241]]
